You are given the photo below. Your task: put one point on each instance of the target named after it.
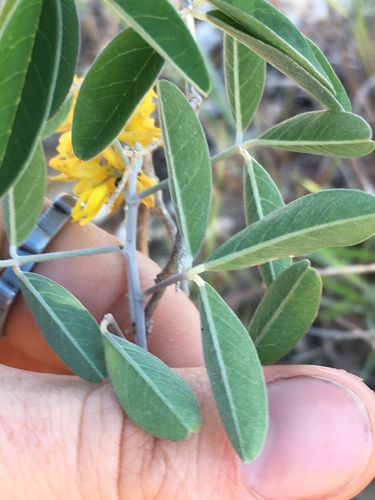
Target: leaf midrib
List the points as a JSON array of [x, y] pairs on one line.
[[284, 237]]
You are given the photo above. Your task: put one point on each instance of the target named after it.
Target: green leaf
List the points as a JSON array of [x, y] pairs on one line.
[[29, 50], [331, 218], [117, 81], [69, 54], [331, 133], [245, 75], [267, 24], [67, 326], [261, 198], [26, 196], [162, 27], [152, 394], [279, 60], [340, 92], [286, 311], [261, 193], [5, 12], [235, 374], [189, 164], [57, 119]]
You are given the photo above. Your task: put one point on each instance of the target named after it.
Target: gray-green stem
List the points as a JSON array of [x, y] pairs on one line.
[[135, 296], [18, 260]]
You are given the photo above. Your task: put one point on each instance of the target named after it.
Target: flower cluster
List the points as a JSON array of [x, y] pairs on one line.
[[97, 179]]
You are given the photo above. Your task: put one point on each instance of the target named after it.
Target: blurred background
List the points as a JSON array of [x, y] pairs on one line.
[[343, 335]]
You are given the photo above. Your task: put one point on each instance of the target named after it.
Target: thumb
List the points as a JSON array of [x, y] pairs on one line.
[[62, 437]]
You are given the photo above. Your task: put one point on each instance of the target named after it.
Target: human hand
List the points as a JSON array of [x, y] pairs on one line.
[[62, 437]]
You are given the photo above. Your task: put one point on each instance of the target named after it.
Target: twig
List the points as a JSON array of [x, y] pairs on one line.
[[363, 179], [175, 278], [161, 211], [356, 269], [142, 229], [329, 333], [153, 189], [162, 280]]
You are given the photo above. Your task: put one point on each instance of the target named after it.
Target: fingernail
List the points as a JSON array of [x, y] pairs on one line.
[[318, 443]]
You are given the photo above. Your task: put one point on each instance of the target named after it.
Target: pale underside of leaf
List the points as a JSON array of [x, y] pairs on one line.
[[245, 77], [151, 393], [189, 165], [263, 21], [278, 59], [321, 132], [235, 374], [261, 198], [286, 311], [330, 218], [67, 326]]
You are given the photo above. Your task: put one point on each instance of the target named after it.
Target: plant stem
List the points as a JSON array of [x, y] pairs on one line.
[[175, 278], [236, 148], [18, 260], [223, 155], [109, 322], [136, 299], [355, 269], [153, 189]]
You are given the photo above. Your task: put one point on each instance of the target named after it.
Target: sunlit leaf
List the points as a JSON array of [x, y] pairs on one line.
[[280, 60], [244, 78], [235, 374], [331, 218], [331, 133], [69, 54], [30, 42], [269, 25], [158, 22], [189, 165], [67, 326], [286, 311], [111, 91], [26, 196], [261, 198], [152, 394]]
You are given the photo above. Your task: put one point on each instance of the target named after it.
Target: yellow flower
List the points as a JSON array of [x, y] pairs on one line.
[[140, 127], [97, 179]]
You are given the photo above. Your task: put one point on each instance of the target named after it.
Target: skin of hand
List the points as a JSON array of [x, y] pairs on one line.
[[62, 437]]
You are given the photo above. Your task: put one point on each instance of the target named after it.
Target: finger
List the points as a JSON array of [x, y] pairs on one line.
[[67, 438], [321, 436], [100, 283]]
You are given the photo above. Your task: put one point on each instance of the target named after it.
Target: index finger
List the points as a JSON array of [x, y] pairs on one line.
[[100, 283]]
